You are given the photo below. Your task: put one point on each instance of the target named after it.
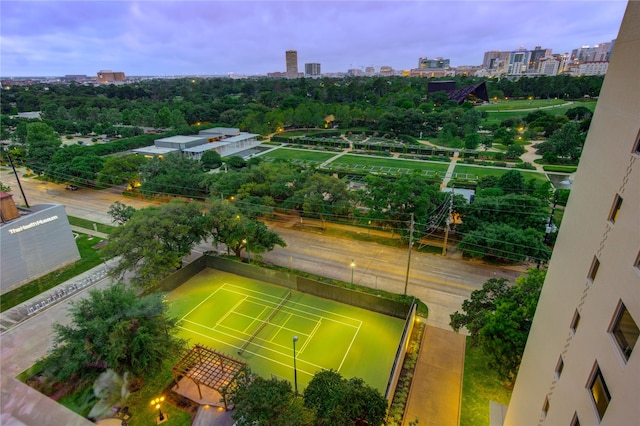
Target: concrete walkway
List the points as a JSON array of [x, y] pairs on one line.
[[436, 391]]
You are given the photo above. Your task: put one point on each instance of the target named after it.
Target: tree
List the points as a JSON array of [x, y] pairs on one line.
[[512, 182], [210, 160], [42, 144], [337, 401], [565, 143], [173, 174], [325, 195], [120, 213], [500, 242], [236, 162], [154, 240], [498, 318], [114, 328], [260, 401], [120, 169], [228, 226]]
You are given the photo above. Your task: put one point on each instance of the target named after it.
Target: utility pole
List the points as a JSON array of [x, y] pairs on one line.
[[446, 230], [406, 281], [545, 241], [24, 197]]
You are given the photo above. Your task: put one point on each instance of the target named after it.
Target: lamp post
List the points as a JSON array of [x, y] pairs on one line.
[[156, 403], [353, 265], [246, 244], [295, 370]]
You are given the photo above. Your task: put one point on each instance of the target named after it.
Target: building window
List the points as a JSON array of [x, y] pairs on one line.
[[559, 367], [574, 322], [615, 209], [599, 392], [545, 407], [624, 331], [575, 421], [593, 270]]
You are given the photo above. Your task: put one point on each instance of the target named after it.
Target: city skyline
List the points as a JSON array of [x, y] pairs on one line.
[[212, 37]]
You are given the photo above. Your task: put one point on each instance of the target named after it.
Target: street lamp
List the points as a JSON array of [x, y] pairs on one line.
[[353, 265], [246, 244], [295, 370], [156, 403]]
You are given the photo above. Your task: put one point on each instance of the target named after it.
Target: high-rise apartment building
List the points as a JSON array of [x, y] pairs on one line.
[[581, 365], [291, 57], [312, 70]]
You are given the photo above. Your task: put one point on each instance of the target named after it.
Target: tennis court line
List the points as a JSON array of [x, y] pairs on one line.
[[198, 305], [256, 318], [290, 307], [230, 311], [306, 342], [349, 348], [225, 285], [258, 355]]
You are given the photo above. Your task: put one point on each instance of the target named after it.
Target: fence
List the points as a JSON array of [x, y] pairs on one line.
[[62, 293]]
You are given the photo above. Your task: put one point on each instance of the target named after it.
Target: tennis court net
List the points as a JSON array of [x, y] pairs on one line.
[[265, 322]]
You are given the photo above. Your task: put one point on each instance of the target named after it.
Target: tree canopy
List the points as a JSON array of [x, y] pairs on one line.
[[154, 240], [498, 318], [114, 328]]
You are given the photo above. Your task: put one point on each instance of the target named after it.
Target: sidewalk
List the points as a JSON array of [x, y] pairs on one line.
[[435, 397]]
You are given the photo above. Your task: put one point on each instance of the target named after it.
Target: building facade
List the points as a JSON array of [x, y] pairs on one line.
[[581, 364], [107, 76], [291, 57], [35, 243], [312, 70]]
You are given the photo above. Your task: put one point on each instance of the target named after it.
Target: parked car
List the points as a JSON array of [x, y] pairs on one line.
[[71, 188]]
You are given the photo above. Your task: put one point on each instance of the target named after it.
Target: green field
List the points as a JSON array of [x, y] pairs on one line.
[[387, 165], [225, 311], [521, 108], [299, 155], [481, 172], [507, 104]]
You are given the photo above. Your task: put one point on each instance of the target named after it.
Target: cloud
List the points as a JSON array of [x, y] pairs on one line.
[[250, 37]]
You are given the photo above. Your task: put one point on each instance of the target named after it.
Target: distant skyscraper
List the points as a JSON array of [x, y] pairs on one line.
[[581, 364], [292, 63], [312, 70]]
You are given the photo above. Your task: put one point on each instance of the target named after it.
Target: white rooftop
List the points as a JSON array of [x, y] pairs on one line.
[[154, 150], [180, 139]]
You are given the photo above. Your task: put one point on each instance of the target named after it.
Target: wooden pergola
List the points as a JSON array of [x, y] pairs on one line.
[[207, 367]]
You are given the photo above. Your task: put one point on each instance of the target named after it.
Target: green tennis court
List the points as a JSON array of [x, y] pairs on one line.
[[256, 322]]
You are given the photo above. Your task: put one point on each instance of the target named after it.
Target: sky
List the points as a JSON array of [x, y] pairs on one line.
[[162, 38]]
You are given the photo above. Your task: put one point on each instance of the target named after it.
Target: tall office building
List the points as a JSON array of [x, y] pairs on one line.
[[581, 365], [292, 63], [312, 70]]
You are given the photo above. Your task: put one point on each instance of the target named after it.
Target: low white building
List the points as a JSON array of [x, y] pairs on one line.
[[224, 140]]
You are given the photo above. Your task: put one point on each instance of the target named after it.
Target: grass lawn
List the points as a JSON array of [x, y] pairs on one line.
[[479, 386], [508, 104], [299, 155], [89, 258], [490, 171], [368, 163], [507, 109], [87, 224]]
